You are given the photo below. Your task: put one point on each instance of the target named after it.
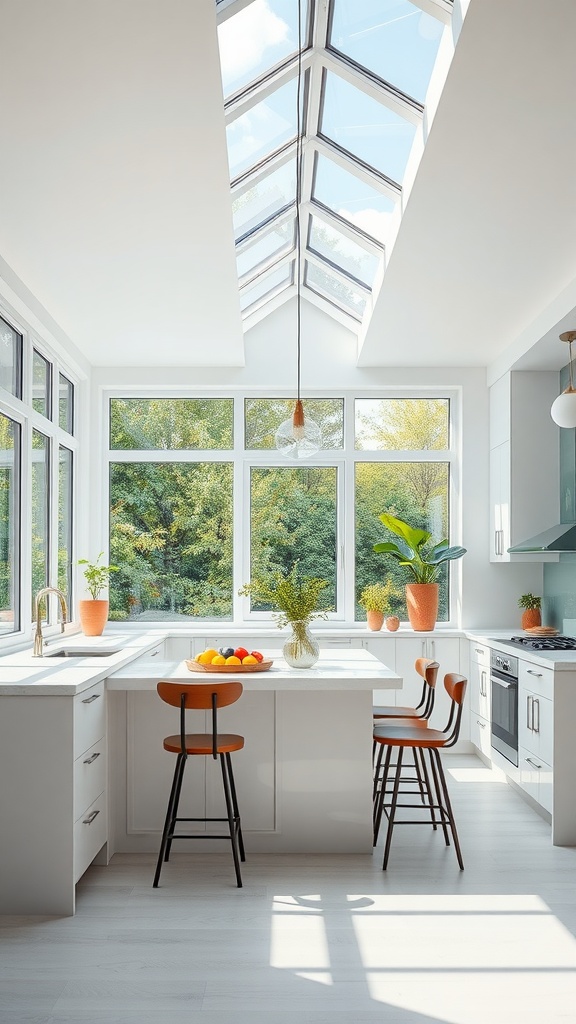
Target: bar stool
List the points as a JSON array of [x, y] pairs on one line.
[[418, 716], [398, 737], [202, 696]]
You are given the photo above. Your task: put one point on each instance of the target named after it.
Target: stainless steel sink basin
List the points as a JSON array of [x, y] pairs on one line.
[[70, 652]]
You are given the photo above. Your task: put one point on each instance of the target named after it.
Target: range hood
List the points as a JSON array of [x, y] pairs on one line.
[[557, 538]]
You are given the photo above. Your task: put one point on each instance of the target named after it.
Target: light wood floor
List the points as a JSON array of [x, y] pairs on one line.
[[314, 939]]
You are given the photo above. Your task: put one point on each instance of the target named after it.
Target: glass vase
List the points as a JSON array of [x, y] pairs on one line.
[[300, 649]]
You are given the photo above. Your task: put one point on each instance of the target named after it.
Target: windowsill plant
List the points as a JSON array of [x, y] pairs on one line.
[[375, 599], [94, 611]]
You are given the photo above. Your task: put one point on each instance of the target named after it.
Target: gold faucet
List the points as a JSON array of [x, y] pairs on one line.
[[38, 640]]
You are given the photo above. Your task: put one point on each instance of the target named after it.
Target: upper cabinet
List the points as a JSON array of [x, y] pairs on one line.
[[524, 462]]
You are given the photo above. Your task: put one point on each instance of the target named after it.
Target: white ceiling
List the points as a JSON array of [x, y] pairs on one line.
[[487, 239], [115, 206], [114, 187]]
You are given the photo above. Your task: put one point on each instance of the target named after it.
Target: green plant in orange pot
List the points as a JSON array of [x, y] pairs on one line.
[[423, 562], [531, 616], [94, 612]]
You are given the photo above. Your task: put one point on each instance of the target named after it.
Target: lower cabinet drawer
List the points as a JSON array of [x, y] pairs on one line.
[[480, 734], [90, 833], [89, 718], [89, 776]]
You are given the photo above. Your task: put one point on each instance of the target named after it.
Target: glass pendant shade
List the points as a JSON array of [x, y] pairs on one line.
[[298, 437], [563, 410]]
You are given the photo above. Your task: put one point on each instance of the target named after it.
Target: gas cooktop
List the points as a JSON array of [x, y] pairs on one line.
[[542, 643]]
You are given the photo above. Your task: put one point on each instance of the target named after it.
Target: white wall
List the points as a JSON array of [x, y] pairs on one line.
[[490, 591]]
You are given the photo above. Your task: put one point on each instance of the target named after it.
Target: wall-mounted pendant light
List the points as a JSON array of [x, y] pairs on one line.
[[563, 409], [298, 437]]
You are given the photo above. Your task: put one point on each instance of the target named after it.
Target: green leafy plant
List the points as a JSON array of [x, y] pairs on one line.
[[376, 597], [295, 596], [414, 551], [529, 601], [97, 576]]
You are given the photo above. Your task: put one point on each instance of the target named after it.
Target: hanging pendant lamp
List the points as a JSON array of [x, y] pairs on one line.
[[563, 410], [298, 437]]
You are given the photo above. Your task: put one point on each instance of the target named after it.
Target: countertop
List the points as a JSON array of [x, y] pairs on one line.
[[335, 670], [560, 661]]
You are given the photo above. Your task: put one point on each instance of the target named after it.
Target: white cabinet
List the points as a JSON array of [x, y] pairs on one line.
[[384, 648], [536, 732], [479, 698], [524, 462], [53, 810]]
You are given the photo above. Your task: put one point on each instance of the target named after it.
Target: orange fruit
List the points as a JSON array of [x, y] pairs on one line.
[[249, 660], [218, 660], [232, 660]]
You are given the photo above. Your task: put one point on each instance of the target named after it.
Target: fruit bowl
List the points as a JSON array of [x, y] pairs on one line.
[[262, 666]]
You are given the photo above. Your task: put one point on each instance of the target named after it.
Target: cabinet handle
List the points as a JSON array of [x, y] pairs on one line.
[[533, 763], [529, 712], [536, 707], [531, 672], [479, 650], [90, 818], [481, 724], [483, 690], [154, 654], [423, 642], [433, 647], [89, 760], [88, 700], [496, 551]]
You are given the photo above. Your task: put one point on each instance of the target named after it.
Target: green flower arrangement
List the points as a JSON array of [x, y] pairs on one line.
[[295, 596]]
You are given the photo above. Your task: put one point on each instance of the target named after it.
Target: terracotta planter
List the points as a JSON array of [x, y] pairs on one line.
[[422, 605], [374, 619], [531, 617], [93, 616], [392, 623]]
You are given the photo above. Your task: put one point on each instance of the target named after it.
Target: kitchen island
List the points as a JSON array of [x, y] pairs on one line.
[[86, 775]]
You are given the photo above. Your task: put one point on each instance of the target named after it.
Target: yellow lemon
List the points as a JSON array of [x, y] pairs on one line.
[[249, 660], [233, 660], [210, 653], [205, 658], [218, 660]]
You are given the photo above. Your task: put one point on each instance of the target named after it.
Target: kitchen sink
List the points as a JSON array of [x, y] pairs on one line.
[[71, 652]]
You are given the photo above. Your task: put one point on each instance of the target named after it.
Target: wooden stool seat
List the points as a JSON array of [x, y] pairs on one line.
[[408, 735], [202, 697], [201, 743]]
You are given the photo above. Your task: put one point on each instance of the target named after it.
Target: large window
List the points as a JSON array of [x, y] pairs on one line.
[[201, 501], [37, 450]]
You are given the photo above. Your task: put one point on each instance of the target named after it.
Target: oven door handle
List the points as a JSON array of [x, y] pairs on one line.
[[505, 686]]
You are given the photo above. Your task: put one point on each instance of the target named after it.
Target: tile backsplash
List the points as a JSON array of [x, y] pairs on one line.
[[559, 600]]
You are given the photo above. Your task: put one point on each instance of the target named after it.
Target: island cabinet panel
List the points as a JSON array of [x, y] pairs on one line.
[[150, 768], [384, 648]]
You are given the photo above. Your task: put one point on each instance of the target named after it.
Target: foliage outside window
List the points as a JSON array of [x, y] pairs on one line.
[[9, 533], [189, 527], [40, 510]]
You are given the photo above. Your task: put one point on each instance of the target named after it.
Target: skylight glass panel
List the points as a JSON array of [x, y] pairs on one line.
[[353, 259], [272, 243], [255, 39], [352, 199], [262, 129], [332, 288], [366, 128], [266, 285], [264, 199], [392, 38]]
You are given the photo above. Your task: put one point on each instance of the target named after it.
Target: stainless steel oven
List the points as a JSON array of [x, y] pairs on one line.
[[504, 691]]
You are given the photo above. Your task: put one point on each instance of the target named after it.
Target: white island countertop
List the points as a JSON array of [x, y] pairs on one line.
[[335, 670]]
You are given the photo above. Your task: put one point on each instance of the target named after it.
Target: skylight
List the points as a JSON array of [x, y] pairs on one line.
[[367, 65]]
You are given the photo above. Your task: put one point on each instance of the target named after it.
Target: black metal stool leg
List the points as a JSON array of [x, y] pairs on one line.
[[448, 806], [235, 806], [175, 805], [419, 778], [377, 762], [380, 796], [440, 798], [429, 789], [231, 821], [168, 820], [393, 809]]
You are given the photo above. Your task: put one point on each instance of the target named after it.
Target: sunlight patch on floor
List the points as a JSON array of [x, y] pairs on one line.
[[476, 774]]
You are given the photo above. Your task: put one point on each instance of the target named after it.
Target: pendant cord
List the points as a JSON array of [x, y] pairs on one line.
[[298, 196]]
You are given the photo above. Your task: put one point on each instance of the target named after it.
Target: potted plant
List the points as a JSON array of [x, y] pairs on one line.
[[531, 615], [295, 597], [375, 599], [94, 612], [423, 562]]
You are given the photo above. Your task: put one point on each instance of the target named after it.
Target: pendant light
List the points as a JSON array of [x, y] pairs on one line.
[[563, 409], [298, 437]]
